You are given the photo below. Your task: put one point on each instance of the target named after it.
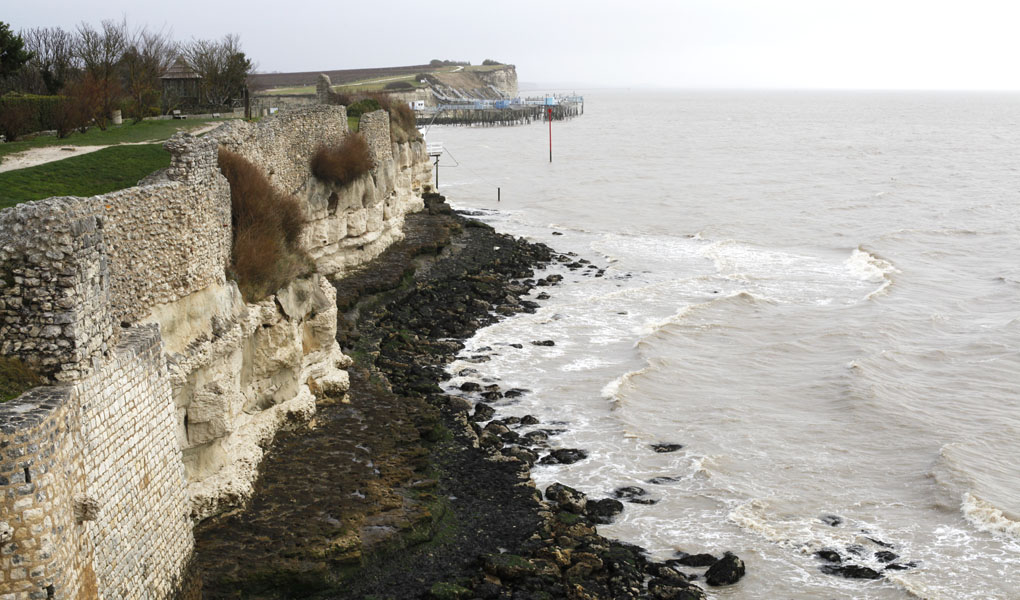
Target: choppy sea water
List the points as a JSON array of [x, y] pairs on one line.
[[818, 294]]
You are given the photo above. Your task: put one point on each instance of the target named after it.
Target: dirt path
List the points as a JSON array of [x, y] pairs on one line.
[[39, 156]]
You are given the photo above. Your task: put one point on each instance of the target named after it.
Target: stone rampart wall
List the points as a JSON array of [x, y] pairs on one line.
[[173, 384]]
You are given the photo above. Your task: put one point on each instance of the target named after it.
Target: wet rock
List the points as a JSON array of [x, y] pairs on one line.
[[543, 343], [727, 571], [557, 233], [831, 520], [564, 456], [518, 346], [529, 420], [483, 412], [522, 454], [566, 498], [508, 566], [696, 560], [668, 589], [830, 555], [515, 392], [555, 278], [543, 296], [634, 495], [496, 428], [470, 386], [535, 437], [851, 571], [855, 549], [663, 447], [603, 511], [467, 371], [885, 556], [510, 437], [489, 440], [880, 543], [900, 566], [663, 480], [492, 396], [457, 404], [509, 421]]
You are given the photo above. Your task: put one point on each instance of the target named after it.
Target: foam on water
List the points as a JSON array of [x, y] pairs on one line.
[[816, 295]]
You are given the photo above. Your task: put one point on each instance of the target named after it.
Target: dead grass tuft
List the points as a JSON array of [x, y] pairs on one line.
[[266, 253], [343, 163]]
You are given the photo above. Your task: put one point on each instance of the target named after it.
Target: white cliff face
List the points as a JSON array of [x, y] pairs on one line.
[[241, 372], [504, 79]]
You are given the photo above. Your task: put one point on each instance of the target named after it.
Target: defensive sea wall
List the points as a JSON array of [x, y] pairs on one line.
[[165, 386]]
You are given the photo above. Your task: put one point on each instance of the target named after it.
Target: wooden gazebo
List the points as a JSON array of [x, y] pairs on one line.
[[181, 85]]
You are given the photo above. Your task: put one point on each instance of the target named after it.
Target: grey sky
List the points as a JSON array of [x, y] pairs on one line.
[[871, 44]]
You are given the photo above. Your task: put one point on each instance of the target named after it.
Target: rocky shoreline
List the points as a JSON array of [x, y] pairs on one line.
[[402, 491]]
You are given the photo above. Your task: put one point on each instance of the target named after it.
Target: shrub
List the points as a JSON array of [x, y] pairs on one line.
[[488, 62], [266, 253], [16, 378], [27, 113], [365, 105], [343, 163], [398, 85], [403, 123]]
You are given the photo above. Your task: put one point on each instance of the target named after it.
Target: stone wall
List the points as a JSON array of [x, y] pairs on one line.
[[173, 385], [94, 485]]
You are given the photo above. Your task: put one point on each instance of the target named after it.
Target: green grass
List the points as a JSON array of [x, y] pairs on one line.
[[115, 134], [303, 90], [99, 172]]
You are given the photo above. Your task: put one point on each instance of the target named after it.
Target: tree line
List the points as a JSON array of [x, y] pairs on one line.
[[91, 71]]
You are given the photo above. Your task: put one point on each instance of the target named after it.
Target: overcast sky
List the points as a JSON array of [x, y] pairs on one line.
[[855, 44]]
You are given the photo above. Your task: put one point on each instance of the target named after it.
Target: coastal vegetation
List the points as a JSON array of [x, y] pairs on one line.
[[100, 172], [16, 378], [266, 254], [343, 163]]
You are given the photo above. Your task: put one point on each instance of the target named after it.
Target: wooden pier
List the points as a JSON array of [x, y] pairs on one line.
[[491, 117]]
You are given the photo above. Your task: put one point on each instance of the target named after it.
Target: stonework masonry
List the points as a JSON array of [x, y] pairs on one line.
[[166, 387]]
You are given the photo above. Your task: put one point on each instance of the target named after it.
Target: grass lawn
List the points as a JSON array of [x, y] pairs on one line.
[[99, 172], [114, 134]]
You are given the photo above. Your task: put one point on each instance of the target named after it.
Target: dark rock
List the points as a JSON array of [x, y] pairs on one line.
[[508, 421], [881, 543], [492, 396], [510, 437], [518, 346], [496, 428], [851, 571], [663, 480], [900, 566], [885, 556], [543, 296], [564, 456], [467, 371], [831, 520], [535, 437], [556, 233], [529, 420], [667, 589], [489, 440], [483, 412], [522, 454], [727, 571], [470, 386], [543, 343], [515, 392], [458, 405], [508, 566], [855, 549], [665, 447], [696, 560], [566, 497], [830, 555], [634, 495], [603, 511]]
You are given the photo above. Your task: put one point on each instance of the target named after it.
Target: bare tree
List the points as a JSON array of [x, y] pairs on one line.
[[53, 63], [100, 51], [148, 55], [223, 66]]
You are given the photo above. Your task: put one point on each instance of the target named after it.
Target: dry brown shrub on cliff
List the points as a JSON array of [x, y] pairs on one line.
[[266, 253], [343, 163], [403, 123]]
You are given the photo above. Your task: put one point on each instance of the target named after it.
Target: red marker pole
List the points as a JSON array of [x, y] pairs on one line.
[[550, 135]]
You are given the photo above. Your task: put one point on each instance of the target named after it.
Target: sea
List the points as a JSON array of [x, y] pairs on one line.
[[817, 294]]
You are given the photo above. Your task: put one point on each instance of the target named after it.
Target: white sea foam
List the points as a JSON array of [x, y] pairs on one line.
[[987, 517]]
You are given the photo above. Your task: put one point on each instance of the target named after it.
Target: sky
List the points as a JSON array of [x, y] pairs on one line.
[[713, 44]]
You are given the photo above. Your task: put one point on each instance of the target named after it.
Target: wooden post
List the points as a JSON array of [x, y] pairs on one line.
[[550, 135]]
